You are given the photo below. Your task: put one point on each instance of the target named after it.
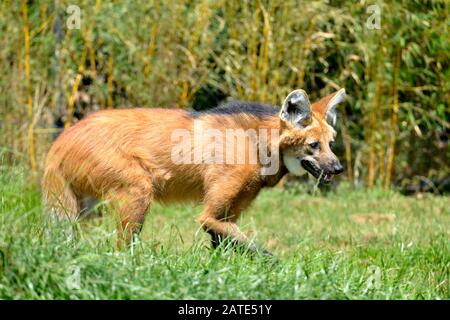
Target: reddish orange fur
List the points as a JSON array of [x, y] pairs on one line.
[[124, 156]]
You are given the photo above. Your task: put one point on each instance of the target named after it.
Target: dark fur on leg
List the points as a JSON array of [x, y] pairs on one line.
[[216, 240]]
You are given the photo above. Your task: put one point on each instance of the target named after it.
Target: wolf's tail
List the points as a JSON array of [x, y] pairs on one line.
[[58, 196]]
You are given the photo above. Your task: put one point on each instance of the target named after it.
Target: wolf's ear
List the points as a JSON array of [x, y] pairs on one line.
[[327, 106], [296, 109]]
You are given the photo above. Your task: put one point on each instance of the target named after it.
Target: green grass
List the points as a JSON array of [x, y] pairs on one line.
[[342, 245]]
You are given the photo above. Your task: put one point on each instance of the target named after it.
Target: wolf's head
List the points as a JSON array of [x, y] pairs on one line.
[[307, 134]]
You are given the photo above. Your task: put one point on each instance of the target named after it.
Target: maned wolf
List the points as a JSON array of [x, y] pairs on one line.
[[131, 157]]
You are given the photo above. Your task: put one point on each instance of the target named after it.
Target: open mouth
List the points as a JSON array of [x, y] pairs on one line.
[[316, 172]]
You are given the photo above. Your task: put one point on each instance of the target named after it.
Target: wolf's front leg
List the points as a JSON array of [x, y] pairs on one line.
[[221, 230], [229, 192]]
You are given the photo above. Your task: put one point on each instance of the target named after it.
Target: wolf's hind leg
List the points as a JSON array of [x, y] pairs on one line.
[[130, 206]]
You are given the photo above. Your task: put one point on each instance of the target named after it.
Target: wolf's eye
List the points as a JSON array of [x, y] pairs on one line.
[[315, 145]]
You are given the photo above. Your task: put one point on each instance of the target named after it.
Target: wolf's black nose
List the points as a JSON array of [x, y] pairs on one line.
[[338, 168]]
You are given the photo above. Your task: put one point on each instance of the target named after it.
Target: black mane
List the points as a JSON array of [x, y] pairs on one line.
[[236, 107]]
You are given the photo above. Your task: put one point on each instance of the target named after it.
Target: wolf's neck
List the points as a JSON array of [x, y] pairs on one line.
[[272, 126]]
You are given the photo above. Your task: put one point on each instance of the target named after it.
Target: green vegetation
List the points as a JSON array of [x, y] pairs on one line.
[[195, 53], [344, 244]]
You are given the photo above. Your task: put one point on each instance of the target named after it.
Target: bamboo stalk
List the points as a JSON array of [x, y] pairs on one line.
[[93, 64], [88, 39], [371, 142], [264, 59], [76, 84], [152, 44], [305, 52], [110, 81], [380, 115], [253, 54], [374, 116], [182, 101], [347, 145], [394, 117], [30, 134], [58, 34]]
